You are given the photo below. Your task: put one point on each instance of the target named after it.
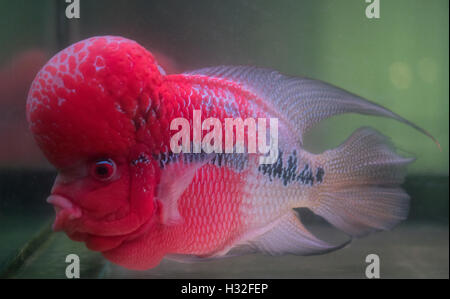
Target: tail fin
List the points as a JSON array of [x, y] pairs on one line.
[[361, 189]]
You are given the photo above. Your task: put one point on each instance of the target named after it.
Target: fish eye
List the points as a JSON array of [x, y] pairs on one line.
[[103, 169]]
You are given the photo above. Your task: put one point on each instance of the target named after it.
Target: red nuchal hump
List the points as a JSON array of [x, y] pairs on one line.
[[88, 97]]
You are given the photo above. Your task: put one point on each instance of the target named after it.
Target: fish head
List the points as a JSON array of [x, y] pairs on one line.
[[85, 108]]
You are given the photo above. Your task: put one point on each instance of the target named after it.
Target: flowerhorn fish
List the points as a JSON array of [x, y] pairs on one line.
[[147, 167]]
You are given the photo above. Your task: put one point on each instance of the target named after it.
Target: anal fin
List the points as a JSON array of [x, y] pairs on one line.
[[289, 236], [286, 236]]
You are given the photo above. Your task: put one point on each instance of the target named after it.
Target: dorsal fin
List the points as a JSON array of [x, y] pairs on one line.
[[302, 101]]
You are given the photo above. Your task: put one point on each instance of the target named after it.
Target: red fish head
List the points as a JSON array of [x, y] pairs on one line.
[[84, 109]]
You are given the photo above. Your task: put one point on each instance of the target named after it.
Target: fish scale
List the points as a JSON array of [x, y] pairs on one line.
[[101, 112], [213, 205], [259, 209]]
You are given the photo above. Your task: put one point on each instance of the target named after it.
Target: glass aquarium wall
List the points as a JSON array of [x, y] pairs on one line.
[[399, 60]]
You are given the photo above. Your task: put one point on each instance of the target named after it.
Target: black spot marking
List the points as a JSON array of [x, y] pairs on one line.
[[319, 175], [236, 161], [288, 172], [142, 158], [164, 158]]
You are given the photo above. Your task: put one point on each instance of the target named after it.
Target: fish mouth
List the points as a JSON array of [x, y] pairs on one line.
[[66, 213], [68, 219]]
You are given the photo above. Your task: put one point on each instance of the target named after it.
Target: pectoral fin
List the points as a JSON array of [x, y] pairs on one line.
[[175, 179]]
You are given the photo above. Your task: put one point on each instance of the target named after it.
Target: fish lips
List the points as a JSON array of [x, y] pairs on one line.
[[66, 213], [68, 219]]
